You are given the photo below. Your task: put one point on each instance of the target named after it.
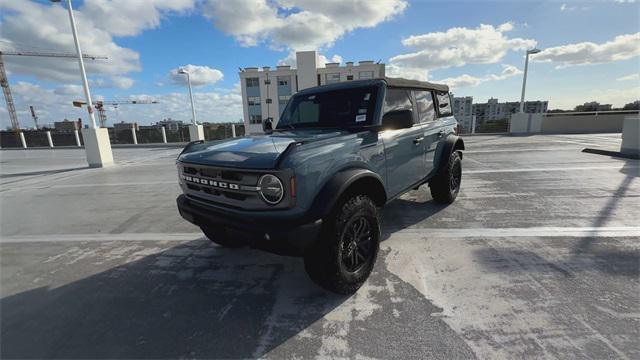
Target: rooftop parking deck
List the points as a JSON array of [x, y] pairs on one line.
[[538, 256]]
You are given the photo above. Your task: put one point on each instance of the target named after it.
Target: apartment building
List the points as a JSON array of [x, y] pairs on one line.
[[494, 110], [266, 91], [463, 112]]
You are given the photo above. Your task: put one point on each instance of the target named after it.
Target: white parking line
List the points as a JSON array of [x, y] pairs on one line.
[[609, 231], [607, 167]]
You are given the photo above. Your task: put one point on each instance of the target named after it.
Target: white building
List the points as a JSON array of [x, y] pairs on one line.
[[265, 91], [463, 112]]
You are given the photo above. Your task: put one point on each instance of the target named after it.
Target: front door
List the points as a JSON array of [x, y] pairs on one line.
[[404, 148]]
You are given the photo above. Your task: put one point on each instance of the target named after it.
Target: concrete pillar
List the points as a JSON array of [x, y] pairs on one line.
[[196, 132], [164, 134], [98, 147], [631, 135], [307, 63], [233, 130], [49, 139], [78, 143], [473, 124], [22, 140], [133, 135]]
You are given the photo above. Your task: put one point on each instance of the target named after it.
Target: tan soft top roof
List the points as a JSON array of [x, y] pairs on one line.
[[399, 82]]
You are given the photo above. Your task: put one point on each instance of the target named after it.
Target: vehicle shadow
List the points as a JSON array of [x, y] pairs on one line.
[[191, 300], [412, 208], [197, 300]]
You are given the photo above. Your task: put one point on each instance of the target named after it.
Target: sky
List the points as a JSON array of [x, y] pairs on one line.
[[590, 50]]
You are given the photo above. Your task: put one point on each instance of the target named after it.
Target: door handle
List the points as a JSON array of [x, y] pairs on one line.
[[418, 140], [440, 133]]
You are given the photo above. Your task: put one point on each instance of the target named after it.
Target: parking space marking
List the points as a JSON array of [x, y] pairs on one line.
[[606, 167], [609, 231]]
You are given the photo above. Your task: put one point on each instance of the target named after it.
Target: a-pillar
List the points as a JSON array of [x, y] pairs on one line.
[[49, 139], [196, 132]]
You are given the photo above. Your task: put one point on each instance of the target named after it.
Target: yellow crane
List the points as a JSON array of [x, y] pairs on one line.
[[99, 105], [4, 81]]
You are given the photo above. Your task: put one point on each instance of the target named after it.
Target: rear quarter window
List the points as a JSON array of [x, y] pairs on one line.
[[444, 104]]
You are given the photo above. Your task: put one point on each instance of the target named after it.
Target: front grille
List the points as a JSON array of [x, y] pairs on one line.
[[222, 186]]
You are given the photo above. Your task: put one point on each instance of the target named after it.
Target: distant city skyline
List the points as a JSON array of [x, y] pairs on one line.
[[589, 50]]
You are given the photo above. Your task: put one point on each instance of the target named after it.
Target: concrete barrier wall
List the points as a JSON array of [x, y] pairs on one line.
[[582, 123]]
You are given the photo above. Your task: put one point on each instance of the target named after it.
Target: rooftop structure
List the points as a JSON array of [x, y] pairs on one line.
[[517, 267], [265, 91]]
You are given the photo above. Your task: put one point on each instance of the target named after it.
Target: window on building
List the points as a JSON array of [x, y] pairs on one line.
[[349, 77], [255, 119], [268, 101], [426, 110], [252, 82], [253, 100], [444, 103], [365, 75], [397, 99], [332, 78], [283, 81]]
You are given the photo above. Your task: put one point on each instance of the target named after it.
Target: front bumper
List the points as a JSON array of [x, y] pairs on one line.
[[272, 233]]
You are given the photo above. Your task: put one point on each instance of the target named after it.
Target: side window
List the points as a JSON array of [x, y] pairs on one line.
[[426, 110], [397, 99], [444, 104]]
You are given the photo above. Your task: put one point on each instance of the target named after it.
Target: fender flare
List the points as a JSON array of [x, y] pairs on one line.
[[445, 148], [339, 184]]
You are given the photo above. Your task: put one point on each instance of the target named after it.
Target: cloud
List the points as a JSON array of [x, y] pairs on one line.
[[46, 28], [634, 77], [622, 47], [131, 17], [457, 46], [466, 80], [199, 75], [55, 105], [297, 24]]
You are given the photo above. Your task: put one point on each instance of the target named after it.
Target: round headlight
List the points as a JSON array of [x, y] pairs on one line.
[[271, 189]]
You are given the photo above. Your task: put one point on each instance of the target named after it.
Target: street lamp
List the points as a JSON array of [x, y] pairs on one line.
[[524, 79], [96, 140], [193, 107]]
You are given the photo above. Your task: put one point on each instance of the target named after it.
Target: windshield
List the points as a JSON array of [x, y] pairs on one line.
[[335, 108]]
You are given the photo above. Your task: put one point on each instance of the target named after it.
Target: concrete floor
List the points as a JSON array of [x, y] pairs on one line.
[[538, 257]]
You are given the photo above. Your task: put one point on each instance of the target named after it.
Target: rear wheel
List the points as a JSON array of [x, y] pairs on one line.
[[344, 256], [222, 237], [446, 185]]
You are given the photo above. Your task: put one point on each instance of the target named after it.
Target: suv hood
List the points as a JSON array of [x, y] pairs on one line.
[[251, 152]]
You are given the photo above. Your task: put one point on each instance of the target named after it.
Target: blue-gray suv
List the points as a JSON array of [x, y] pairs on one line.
[[313, 185]]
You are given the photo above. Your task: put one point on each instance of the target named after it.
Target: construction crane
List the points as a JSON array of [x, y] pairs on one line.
[[34, 116], [4, 82], [99, 105]]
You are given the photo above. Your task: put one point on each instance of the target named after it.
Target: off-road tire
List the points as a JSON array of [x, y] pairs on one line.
[[330, 262], [223, 238], [446, 184]]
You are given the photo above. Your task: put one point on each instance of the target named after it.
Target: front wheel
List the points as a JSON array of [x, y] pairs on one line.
[[345, 254], [446, 185]]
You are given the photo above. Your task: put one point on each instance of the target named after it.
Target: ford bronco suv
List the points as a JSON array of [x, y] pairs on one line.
[[312, 186]]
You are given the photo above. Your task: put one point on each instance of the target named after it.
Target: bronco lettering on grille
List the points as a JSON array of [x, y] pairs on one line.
[[214, 183]]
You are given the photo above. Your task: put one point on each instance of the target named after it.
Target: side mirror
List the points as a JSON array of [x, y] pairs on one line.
[[267, 125], [397, 119]]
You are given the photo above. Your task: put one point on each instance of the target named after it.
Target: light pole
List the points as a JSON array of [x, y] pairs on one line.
[[196, 132], [193, 107], [524, 79], [96, 140]]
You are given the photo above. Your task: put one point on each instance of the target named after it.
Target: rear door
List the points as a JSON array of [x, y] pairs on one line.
[[430, 126], [403, 150]]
